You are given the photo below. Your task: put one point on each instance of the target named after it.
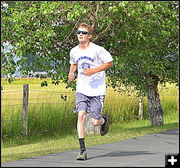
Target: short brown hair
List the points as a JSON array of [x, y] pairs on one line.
[[87, 26]]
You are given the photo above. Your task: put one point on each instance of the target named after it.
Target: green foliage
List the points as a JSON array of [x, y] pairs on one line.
[[44, 83], [142, 36]]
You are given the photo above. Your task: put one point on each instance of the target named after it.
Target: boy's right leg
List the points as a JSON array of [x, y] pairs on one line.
[[80, 128], [80, 123], [82, 104]]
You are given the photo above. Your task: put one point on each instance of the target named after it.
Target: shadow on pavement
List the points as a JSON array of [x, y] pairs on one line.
[[170, 132], [121, 153]]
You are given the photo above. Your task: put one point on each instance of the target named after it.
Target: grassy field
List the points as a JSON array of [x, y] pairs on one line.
[[52, 124], [42, 145], [48, 111]]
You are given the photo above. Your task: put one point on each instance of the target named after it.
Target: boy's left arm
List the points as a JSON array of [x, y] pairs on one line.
[[89, 72]]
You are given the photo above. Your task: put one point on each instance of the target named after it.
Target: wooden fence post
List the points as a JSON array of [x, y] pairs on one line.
[[25, 109]]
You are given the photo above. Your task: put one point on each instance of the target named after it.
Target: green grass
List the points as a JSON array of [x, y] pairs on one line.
[[52, 124], [47, 111], [42, 145]]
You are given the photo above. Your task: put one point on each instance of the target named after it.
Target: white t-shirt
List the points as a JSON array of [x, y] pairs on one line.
[[91, 57]]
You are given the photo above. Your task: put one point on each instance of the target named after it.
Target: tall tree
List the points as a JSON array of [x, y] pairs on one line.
[[144, 41], [142, 37]]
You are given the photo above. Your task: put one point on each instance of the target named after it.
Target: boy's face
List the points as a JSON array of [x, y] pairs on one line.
[[83, 38]]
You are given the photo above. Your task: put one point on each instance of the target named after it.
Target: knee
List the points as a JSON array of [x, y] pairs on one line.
[[81, 115], [95, 122]]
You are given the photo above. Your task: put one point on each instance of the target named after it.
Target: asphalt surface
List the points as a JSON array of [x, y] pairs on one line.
[[144, 151]]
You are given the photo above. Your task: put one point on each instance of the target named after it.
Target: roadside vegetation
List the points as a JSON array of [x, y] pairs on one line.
[[52, 124]]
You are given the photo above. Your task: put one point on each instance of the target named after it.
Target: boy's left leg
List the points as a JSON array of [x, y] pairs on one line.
[[96, 105], [96, 122], [104, 126], [103, 122]]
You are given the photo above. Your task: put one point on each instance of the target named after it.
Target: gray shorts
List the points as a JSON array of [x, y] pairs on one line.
[[92, 105]]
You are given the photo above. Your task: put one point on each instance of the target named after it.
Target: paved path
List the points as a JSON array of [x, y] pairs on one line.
[[144, 151]]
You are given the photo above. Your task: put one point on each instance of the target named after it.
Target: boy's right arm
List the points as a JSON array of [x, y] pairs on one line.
[[72, 69]]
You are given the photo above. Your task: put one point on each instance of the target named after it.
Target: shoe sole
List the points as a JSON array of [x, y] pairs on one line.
[[82, 157]]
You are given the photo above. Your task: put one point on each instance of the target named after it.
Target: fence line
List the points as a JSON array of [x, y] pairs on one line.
[[58, 102], [57, 92], [26, 101], [65, 94], [24, 119], [11, 91], [34, 103], [10, 120]]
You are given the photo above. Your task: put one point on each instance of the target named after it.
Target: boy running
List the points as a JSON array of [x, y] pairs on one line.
[[91, 60]]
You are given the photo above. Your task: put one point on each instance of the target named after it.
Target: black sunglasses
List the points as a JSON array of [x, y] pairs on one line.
[[83, 32]]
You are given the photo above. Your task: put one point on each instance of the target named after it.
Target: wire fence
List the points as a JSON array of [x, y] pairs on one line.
[[51, 110]]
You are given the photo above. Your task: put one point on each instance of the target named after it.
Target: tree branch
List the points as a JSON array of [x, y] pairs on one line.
[[159, 46], [102, 33]]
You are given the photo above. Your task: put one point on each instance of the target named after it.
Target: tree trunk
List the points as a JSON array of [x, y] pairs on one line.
[[140, 114], [154, 106], [178, 100]]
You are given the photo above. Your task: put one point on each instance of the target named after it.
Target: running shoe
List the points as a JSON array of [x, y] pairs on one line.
[[104, 127], [82, 155]]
